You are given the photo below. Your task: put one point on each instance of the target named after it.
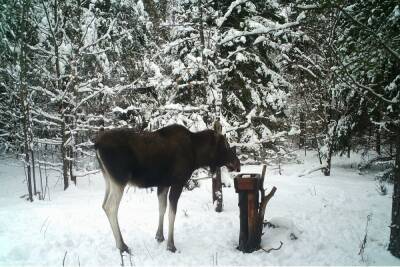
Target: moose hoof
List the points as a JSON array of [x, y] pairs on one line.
[[171, 247], [126, 249], [160, 238]]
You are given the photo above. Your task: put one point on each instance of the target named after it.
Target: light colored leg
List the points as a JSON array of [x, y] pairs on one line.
[[174, 195], [107, 193], [162, 193], [111, 209], [106, 179]]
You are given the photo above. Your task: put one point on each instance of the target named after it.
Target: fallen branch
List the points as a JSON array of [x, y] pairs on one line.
[[323, 167], [83, 174], [271, 249]]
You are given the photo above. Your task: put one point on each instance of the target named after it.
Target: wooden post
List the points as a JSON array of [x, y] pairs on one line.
[[244, 229], [251, 210], [216, 181], [252, 217]]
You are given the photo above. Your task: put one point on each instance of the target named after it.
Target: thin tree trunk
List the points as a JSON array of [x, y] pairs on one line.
[[71, 167], [349, 149], [327, 170], [332, 136], [378, 140], [216, 182], [24, 101], [302, 131], [64, 154], [64, 138], [33, 170], [378, 133], [394, 245], [41, 182]]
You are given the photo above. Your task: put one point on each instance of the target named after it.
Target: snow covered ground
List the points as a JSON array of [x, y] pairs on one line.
[[327, 215]]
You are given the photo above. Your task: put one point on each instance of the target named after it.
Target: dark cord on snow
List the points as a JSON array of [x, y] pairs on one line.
[[271, 249]]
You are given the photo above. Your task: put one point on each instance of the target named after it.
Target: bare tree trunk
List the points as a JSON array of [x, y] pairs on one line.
[[378, 140], [24, 100], [71, 166], [302, 137], [378, 133], [216, 182], [64, 154], [349, 149], [41, 182], [331, 142], [64, 137], [327, 170], [394, 245], [33, 169]]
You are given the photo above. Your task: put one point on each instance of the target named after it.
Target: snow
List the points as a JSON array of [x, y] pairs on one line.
[[320, 220]]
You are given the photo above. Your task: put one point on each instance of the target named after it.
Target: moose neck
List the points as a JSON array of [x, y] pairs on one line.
[[205, 148]]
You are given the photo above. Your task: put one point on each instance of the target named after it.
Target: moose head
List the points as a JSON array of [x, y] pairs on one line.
[[227, 155]]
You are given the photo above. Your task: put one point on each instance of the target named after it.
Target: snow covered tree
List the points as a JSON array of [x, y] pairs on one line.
[[366, 63], [18, 31], [230, 55], [87, 55], [253, 48]]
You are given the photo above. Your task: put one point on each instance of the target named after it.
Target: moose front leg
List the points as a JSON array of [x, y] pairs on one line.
[[174, 195], [162, 193]]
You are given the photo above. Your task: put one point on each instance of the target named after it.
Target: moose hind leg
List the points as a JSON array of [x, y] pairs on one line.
[[107, 193], [174, 195], [111, 209], [162, 193]]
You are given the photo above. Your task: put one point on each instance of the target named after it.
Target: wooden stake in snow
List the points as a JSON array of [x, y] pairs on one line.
[[252, 204]]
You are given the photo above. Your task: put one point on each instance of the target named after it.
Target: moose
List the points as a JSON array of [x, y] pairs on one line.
[[166, 159]]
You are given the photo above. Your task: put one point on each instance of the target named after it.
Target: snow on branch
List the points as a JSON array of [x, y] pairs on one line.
[[84, 100], [233, 5], [363, 26], [372, 32], [125, 110], [258, 31], [105, 36], [168, 107], [307, 7], [362, 86], [307, 58], [188, 108], [38, 111], [44, 91], [246, 124], [306, 70], [47, 141]]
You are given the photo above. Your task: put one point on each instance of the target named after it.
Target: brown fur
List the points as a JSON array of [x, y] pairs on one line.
[[164, 157]]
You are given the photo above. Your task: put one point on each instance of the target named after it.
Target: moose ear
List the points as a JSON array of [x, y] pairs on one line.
[[233, 149]]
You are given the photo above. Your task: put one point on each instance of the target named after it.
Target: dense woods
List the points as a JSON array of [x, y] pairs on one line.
[[278, 75]]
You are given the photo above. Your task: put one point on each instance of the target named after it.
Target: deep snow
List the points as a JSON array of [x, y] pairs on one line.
[[326, 214]]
